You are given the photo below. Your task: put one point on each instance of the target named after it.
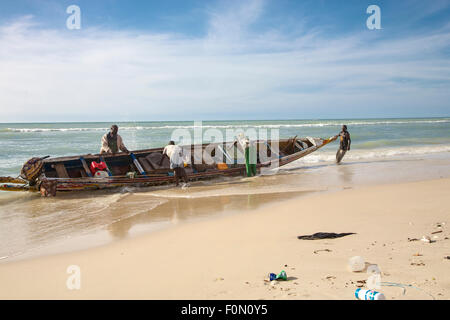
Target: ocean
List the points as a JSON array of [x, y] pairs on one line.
[[382, 151], [371, 138]]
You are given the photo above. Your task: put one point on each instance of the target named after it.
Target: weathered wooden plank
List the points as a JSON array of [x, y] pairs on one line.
[[85, 166], [145, 164], [61, 170]]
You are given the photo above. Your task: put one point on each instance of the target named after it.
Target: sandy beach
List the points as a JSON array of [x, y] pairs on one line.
[[229, 256]]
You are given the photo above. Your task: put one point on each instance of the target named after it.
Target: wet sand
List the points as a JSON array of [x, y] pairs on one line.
[[229, 257], [31, 226]]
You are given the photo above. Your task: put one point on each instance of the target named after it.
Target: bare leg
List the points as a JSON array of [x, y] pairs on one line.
[[175, 172], [339, 155], [47, 188], [185, 178]]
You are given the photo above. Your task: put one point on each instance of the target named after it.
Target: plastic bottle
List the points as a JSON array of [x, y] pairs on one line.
[[282, 275], [356, 264], [364, 294]]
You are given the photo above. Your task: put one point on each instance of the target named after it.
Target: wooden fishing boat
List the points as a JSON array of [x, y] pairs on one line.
[[141, 168]]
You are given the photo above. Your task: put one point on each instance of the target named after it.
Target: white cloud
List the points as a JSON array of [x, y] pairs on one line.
[[95, 74], [231, 21]]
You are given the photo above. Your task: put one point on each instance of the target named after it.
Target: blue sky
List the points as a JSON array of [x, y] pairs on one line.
[[202, 60]]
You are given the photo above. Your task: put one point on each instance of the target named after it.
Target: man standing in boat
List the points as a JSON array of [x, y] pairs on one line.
[[344, 144], [112, 142]]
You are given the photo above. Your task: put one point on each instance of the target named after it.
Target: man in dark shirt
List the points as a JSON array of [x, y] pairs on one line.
[[344, 144], [112, 142]]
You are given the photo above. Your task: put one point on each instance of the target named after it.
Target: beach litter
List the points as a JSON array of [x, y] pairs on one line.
[[356, 264], [413, 239], [360, 283], [426, 239], [324, 235], [438, 231], [281, 276], [362, 294], [447, 257]]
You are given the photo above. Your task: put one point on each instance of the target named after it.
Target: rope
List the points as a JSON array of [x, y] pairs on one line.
[[394, 284], [17, 180]]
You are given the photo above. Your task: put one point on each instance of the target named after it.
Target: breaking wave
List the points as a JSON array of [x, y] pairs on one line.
[[239, 126], [374, 154]]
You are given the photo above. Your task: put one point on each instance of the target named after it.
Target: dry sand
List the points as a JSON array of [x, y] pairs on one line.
[[230, 256]]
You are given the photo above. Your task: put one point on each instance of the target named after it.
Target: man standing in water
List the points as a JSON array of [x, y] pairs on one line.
[[112, 142], [344, 145], [175, 155]]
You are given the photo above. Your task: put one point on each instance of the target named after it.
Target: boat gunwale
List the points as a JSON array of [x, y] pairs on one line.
[[90, 156]]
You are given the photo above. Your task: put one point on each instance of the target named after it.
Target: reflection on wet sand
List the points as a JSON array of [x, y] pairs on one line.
[[28, 222], [180, 209], [345, 174]]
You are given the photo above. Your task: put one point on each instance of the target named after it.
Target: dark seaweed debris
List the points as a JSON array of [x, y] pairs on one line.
[[324, 235]]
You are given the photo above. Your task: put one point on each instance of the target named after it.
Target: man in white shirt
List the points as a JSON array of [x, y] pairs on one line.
[[175, 155]]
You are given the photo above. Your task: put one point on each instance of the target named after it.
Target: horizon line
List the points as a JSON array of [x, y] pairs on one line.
[[215, 120]]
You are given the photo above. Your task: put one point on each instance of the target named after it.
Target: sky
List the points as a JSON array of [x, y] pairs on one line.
[[223, 60]]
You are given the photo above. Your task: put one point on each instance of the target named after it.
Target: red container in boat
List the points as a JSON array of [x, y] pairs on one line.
[[97, 166]]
